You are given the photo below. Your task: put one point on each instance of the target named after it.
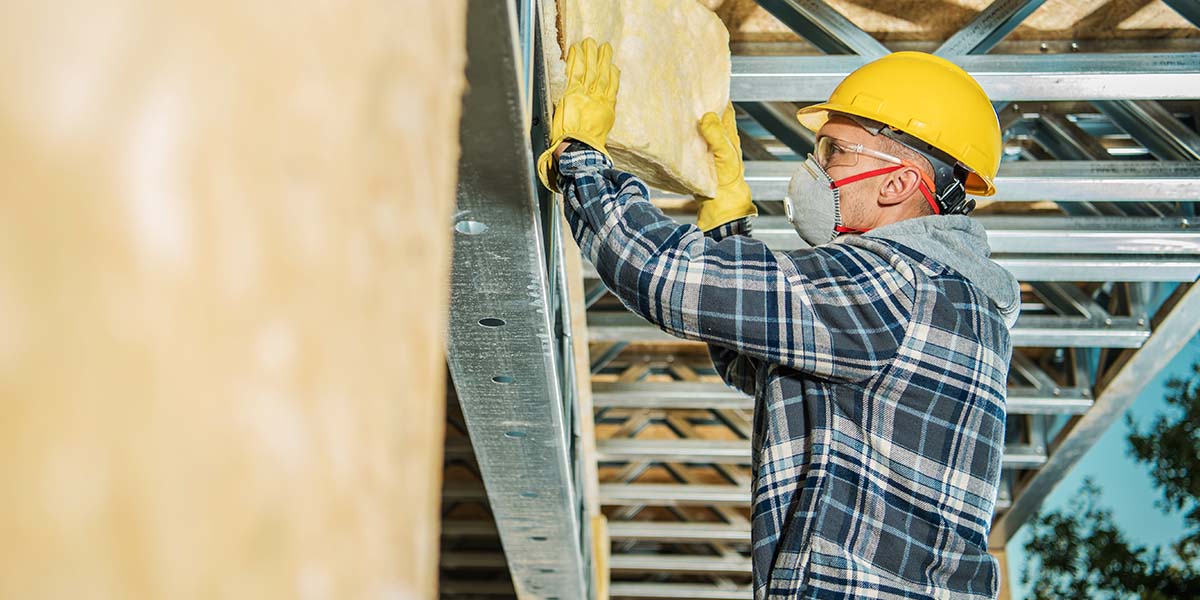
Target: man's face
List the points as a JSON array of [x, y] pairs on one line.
[[858, 200]]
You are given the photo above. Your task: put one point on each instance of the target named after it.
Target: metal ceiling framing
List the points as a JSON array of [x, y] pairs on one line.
[[505, 350], [468, 526], [1059, 181], [1149, 76], [990, 26], [1095, 230]]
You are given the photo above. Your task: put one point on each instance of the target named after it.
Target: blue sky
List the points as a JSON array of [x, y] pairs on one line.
[[1127, 488]]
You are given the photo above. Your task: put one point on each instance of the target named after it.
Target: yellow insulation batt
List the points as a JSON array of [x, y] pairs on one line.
[[674, 62]]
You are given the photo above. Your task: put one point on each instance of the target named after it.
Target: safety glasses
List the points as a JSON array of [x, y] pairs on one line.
[[832, 152]]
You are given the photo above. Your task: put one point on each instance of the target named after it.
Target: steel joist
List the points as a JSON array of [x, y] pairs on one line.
[[1013, 77], [501, 352]]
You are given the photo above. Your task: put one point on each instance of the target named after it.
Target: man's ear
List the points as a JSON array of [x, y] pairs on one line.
[[899, 186]]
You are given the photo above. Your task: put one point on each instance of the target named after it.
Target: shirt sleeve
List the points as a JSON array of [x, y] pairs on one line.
[[837, 311], [736, 370]]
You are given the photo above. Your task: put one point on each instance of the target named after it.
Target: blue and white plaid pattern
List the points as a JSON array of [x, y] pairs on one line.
[[879, 382]]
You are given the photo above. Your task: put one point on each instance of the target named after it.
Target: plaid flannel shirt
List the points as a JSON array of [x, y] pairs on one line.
[[879, 379]]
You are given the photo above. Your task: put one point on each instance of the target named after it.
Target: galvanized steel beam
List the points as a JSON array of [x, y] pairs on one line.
[[1044, 331], [1064, 140], [1068, 267], [704, 451], [688, 451], [637, 494], [1012, 77], [1050, 235], [679, 591], [1060, 181], [824, 27], [500, 351], [1155, 127], [779, 118], [1023, 456], [752, 149], [683, 395], [1040, 331], [1054, 401], [1067, 299], [988, 27], [679, 532], [613, 350], [1092, 235], [1005, 47], [643, 494], [678, 395], [829, 31], [679, 563]]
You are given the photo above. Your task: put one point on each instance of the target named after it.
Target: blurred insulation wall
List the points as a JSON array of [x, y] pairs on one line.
[[224, 250]]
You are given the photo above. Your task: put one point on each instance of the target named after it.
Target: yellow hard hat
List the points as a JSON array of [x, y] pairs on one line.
[[929, 98]]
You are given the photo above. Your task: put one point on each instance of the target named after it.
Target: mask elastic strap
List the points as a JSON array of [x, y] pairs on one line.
[[884, 171], [865, 175], [859, 177], [929, 198]]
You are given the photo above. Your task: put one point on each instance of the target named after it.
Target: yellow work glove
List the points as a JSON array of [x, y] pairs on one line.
[[587, 108], [732, 201]]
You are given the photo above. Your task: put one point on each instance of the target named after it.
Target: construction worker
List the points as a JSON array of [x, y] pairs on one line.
[[878, 357]]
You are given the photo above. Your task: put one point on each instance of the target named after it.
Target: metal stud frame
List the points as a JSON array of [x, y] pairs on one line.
[[1095, 214]]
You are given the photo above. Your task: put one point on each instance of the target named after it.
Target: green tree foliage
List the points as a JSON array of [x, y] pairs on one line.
[[1171, 447], [1080, 553]]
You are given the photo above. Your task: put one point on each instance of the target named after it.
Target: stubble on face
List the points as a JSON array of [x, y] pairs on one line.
[[856, 201]]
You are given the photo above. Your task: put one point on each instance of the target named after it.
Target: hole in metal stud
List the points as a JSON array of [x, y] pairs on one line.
[[529, 494], [545, 571], [516, 435], [492, 322], [502, 379], [539, 538], [470, 227]]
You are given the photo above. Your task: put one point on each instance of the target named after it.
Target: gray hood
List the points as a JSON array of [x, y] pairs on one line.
[[960, 243]]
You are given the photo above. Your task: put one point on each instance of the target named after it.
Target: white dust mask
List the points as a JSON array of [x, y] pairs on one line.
[[813, 204]]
